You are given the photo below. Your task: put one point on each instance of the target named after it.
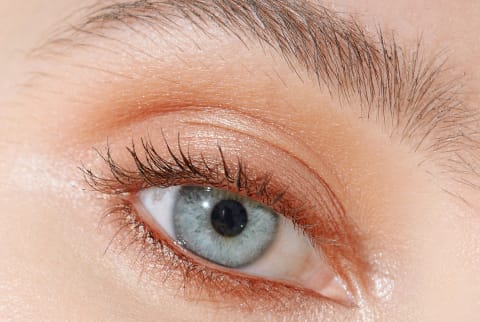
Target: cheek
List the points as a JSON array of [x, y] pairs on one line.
[[426, 261], [447, 274]]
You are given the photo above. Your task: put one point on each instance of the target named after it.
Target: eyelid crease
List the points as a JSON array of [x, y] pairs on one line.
[[331, 232], [416, 96]]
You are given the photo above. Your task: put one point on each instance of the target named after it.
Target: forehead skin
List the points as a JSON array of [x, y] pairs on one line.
[[443, 25]]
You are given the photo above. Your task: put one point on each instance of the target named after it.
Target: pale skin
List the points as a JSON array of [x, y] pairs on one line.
[[424, 241]]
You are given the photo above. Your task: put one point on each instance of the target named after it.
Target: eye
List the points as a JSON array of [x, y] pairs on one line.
[[230, 232], [228, 226]]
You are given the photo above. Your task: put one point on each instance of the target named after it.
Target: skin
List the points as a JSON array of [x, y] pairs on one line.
[[424, 243]]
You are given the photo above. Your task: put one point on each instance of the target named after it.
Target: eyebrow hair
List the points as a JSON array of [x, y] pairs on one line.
[[417, 99]]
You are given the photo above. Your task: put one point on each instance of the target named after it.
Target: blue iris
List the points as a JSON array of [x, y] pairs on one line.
[[221, 226]]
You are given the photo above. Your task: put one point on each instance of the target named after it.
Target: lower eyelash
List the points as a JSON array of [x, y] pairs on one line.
[[162, 261]]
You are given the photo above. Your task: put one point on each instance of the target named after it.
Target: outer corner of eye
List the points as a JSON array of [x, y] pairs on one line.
[[236, 234]]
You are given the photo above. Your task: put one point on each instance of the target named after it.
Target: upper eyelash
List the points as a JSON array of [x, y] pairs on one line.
[[182, 166]]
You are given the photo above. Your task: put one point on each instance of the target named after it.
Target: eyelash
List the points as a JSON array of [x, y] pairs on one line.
[[157, 252]]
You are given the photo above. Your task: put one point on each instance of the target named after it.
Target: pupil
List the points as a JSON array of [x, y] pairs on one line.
[[229, 218]]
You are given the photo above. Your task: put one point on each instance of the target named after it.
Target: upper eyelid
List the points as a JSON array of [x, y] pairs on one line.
[[422, 106]]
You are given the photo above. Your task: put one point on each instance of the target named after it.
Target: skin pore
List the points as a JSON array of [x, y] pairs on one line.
[[412, 199]]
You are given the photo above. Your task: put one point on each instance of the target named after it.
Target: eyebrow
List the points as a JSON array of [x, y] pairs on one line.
[[417, 99]]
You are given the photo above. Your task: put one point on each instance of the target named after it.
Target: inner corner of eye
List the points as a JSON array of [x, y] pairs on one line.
[[234, 233]]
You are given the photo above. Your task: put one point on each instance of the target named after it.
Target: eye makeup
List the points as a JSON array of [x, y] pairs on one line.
[[317, 213]]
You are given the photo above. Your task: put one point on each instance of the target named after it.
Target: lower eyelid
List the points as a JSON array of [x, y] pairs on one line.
[[168, 265]]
